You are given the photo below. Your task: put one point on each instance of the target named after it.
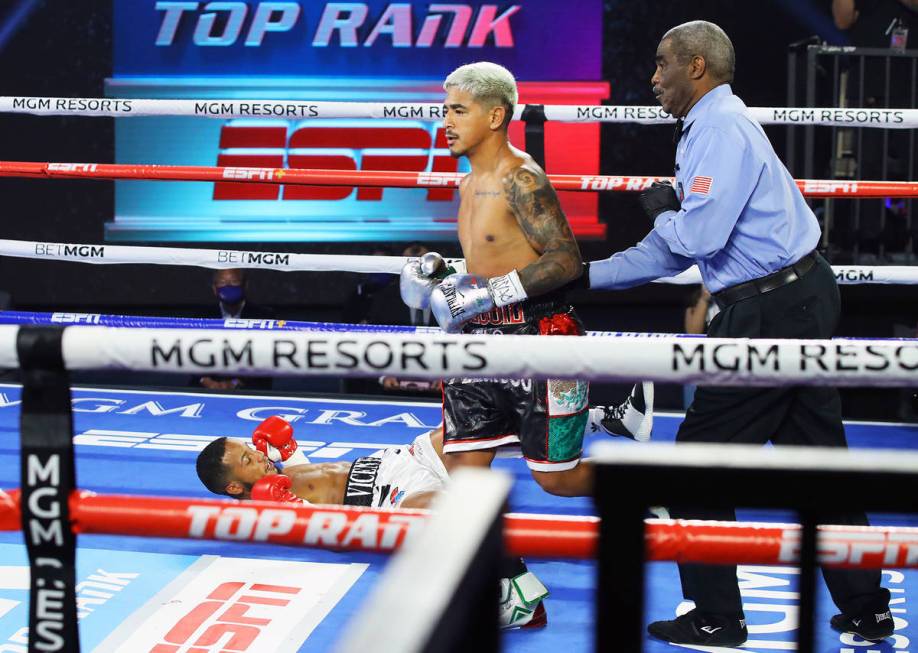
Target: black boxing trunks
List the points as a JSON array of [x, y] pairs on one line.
[[545, 418]]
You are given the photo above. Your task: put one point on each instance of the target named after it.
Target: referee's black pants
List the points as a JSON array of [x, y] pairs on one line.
[[806, 308]]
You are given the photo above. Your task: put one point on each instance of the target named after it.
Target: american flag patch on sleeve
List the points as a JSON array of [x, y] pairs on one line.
[[701, 185]]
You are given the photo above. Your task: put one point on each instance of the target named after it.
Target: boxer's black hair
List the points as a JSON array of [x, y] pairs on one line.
[[210, 467]]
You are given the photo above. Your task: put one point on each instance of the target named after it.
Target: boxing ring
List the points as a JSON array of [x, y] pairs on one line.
[[159, 593], [144, 443]]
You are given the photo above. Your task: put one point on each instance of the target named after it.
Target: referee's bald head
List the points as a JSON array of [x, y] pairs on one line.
[[699, 38]]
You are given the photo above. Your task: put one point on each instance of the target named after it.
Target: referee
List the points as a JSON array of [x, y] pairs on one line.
[[737, 214]]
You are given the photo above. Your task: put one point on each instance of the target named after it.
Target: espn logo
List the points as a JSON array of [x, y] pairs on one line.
[[828, 186], [248, 173], [72, 167], [388, 148], [235, 610], [439, 179], [244, 323], [238, 604], [76, 318]]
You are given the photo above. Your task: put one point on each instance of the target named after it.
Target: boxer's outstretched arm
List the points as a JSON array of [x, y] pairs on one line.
[[535, 204]]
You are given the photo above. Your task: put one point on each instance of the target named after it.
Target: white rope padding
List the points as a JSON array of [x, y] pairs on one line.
[[289, 109], [748, 456], [849, 275], [824, 116], [721, 361], [218, 259]]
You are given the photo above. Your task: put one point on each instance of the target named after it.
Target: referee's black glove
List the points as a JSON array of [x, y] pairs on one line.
[[659, 198]]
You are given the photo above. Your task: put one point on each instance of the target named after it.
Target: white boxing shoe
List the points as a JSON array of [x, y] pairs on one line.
[[521, 602], [631, 419]]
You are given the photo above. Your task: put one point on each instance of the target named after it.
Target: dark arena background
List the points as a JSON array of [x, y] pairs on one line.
[[139, 432]]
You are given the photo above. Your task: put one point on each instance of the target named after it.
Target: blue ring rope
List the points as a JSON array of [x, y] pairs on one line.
[[139, 321]]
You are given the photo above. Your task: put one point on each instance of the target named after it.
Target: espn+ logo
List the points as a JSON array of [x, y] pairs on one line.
[[389, 147]]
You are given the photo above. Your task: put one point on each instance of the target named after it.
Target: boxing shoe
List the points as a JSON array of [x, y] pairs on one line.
[[521, 602], [631, 419], [701, 630], [872, 626]]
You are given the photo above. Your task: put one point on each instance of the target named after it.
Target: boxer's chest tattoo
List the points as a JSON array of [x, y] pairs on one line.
[[488, 193]]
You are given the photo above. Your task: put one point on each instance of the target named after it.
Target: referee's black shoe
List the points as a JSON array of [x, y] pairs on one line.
[[701, 630], [872, 626]]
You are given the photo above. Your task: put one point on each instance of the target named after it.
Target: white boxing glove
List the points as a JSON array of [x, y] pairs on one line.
[[420, 276], [460, 297]]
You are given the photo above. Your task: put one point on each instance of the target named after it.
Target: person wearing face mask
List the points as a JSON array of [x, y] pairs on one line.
[[376, 300], [737, 213], [229, 288]]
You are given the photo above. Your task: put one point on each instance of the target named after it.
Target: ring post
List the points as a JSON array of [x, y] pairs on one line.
[[47, 476], [806, 633], [534, 117], [621, 563]]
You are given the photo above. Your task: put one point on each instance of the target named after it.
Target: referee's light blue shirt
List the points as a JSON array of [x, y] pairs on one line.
[[742, 215]]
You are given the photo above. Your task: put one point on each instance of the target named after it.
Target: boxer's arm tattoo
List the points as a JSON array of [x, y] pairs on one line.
[[535, 204]]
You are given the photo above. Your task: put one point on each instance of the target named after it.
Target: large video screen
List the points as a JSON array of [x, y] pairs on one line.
[[333, 51]]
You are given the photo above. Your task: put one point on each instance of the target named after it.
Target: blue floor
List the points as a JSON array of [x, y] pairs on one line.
[[143, 442]]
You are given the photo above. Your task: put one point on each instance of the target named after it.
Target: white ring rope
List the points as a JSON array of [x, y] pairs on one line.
[[848, 275], [824, 116], [722, 361], [218, 259], [261, 108]]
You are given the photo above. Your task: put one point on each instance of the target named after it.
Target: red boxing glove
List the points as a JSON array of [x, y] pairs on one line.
[[559, 324], [273, 487], [274, 438]]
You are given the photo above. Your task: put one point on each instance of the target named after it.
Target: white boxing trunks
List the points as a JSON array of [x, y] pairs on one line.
[[384, 479]]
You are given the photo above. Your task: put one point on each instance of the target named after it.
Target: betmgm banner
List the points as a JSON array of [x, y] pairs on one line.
[[225, 53]]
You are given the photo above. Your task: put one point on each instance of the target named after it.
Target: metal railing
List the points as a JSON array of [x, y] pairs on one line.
[[824, 75]]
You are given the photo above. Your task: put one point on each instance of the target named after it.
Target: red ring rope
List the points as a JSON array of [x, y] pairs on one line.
[[396, 179], [366, 529]]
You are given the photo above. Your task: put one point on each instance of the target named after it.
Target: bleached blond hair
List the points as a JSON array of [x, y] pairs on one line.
[[489, 83]]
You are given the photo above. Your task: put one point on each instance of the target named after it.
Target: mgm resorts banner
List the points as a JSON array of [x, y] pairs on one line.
[[224, 53]]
